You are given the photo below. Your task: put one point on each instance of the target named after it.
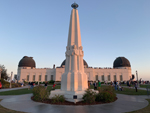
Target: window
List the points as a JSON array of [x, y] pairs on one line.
[[108, 77], [121, 78], [96, 77], [103, 78], [39, 77], [33, 77], [115, 78], [27, 77], [45, 77], [52, 77]]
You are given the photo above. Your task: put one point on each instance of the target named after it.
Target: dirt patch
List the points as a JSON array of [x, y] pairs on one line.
[[49, 101]]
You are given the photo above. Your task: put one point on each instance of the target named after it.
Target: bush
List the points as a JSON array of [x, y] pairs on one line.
[[40, 82], [13, 85], [58, 99], [51, 82], [102, 82], [40, 93], [5, 85], [106, 94], [4, 82], [89, 96]]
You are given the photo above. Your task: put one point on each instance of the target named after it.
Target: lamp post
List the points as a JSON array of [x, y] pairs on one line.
[[137, 79], [11, 78]]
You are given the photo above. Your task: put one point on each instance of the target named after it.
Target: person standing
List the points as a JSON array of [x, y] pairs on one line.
[[95, 85], [89, 84], [111, 83], [0, 85], [135, 85], [29, 85], [53, 86], [115, 84], [46, 85], [99, 85]]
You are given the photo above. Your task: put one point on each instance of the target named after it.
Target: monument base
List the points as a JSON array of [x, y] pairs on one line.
[[71, 96]]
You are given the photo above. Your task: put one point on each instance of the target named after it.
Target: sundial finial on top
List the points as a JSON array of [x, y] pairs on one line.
[[74, 5]]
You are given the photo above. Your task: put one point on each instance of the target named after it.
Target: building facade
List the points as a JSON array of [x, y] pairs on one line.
[[27, 71]]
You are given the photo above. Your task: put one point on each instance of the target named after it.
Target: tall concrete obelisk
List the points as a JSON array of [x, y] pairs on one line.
[[74, 80]]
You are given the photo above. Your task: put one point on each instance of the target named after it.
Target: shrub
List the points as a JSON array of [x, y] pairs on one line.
[[58, 99], [40, 93], [13, 85], [25, 82], [102, 82], [106, 94], [99, 97], [40, 82], [6, 85], [51, 82], [4, 82], [36, 83], [89, 96]]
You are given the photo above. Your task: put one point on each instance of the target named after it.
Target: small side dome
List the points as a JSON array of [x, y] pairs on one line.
[[121, 62], [84, 62], [27, 62]]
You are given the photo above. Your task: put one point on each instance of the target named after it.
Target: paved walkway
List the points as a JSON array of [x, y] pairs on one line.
[[9, 89], [124, 103]]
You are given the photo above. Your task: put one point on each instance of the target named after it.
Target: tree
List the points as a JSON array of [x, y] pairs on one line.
[[4, 74]]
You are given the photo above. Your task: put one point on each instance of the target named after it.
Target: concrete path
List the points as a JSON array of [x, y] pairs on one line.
[[9, 89], [124, 103]]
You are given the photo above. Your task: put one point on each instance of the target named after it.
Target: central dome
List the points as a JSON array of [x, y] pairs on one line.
[[84, 62], [27, 62]]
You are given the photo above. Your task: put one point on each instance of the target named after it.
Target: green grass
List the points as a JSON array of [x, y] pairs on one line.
[[141, 86], [24, 91], [144, 110], [5, 110], [144, 86], [131, 91]]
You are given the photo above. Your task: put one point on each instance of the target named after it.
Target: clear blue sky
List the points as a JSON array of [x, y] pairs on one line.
[[109, 29]]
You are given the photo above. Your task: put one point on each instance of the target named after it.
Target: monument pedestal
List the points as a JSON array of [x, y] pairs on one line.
[[69, 95]]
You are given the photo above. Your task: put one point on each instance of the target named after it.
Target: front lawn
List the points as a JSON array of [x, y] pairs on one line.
[[24, 91], [131, 91]]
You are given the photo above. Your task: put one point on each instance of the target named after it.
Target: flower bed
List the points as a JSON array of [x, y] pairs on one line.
[[49, 101], [105, 95]]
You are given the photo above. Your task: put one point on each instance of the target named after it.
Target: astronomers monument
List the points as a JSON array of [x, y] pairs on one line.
[[74, 80]]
